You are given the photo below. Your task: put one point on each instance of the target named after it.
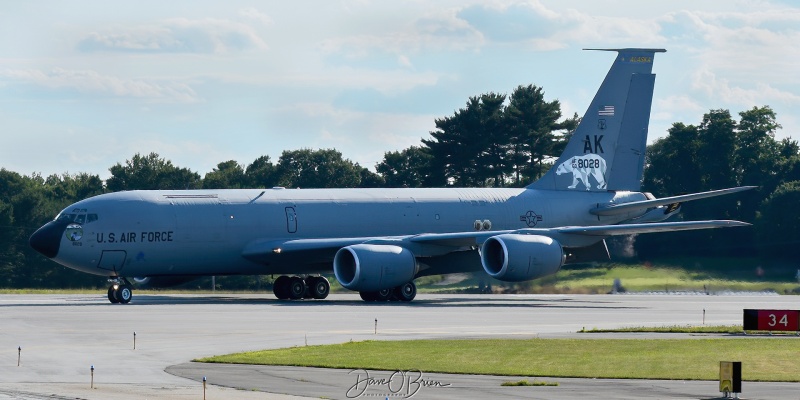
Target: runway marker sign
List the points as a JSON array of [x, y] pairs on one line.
[[771, 320]]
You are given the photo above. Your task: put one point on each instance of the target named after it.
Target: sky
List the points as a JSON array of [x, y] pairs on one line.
[[87, 84]]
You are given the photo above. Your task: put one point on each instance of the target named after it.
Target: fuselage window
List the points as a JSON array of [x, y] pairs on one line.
[[91, 218]]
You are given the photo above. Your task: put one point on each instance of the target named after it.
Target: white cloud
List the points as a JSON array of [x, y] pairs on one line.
[[389, 83], [438, 30], [722, 89], [92, 82], [404, 61], [544, 29], [676, 104], [178, 35], [745, 46], [254, 14], [335, 71], [671, 109], [329, 139], [323, 110]]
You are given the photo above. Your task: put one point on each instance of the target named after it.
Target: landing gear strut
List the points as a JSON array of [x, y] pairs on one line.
[[296, 288], [120, 291]]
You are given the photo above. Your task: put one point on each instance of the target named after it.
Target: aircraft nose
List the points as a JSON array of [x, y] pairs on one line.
[[47, 239]]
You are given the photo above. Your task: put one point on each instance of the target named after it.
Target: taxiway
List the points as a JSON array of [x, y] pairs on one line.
[[62, 336]]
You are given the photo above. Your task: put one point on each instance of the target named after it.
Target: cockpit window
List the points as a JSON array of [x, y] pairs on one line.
[[77, 218], [65, 217]]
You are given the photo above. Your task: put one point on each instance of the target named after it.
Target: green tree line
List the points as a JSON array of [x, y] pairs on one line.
[[722, 152], [494, 140]]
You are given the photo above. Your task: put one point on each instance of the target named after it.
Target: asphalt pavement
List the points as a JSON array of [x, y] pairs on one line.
[[61, 336]]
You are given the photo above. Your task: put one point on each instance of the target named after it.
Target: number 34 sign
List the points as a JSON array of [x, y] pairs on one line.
[[772, 320]]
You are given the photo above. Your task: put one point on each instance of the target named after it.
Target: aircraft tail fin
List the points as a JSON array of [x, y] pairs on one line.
[[607, 149]]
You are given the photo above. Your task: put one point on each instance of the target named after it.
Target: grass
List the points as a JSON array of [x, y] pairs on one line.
[[729, 329], [763, 359], [720, 329], [713, 275]]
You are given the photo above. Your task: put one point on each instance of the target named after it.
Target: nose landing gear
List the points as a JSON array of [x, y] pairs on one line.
[[120, 291]]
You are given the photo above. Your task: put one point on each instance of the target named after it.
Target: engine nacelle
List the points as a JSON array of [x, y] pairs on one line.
[[515, 258], [373, 267]]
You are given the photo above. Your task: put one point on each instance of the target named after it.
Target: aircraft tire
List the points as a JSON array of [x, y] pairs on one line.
[[124, 294], [406, 291], [297, 288], [112, 297], [319, 287], [367, 296], [281, 287], [383, 295]]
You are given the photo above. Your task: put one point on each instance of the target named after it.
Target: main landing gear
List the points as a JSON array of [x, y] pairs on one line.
[[296, 288], [120, 291], [404, 292]]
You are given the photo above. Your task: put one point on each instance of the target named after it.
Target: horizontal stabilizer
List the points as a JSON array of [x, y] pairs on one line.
[[629, 50], [618, 209], [632, 229]]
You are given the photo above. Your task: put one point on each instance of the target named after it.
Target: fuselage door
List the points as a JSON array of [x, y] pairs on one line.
[[291, 220], [112, 260]]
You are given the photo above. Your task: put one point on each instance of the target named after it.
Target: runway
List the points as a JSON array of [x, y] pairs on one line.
[[61, 336]]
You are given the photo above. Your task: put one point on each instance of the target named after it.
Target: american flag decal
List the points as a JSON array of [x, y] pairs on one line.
[[606, 111]]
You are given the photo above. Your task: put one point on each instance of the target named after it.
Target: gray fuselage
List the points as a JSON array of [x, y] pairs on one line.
[[160, 233]]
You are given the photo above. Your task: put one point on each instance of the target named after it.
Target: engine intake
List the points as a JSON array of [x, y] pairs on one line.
[[515, 258], [371, 267]]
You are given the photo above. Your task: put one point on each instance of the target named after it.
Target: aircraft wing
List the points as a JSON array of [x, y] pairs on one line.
[[617, 209], [310, 250], [322, 250], [573, 236]]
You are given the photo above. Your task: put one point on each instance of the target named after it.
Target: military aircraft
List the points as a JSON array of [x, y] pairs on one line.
[[377, 241]]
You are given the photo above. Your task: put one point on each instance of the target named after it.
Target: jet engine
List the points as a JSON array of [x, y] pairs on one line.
[[371, 267], [515, 258]]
